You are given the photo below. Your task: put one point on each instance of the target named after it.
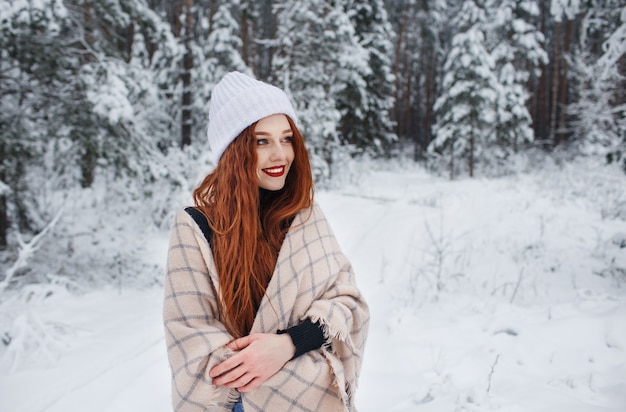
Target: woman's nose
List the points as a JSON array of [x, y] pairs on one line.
[[278, 152]]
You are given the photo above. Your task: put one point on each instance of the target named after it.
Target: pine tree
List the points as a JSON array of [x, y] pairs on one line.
[[119, 91], [265, 32], [317, 57], [365, 111], [37, 77], [223, 47], [516, 46], [599, 112], [73, 102], [217, 54], [466, 110]]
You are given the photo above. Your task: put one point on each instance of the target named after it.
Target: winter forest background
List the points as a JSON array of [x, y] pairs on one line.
[[115, 93], [104, 106]]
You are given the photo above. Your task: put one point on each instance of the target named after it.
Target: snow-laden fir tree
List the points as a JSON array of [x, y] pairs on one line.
[[123, 93], [517, 49], [599, 110], [76, 105], [155, 55], [223, 48], [219, 53], [365, 109], [37, 86], [465, 110], [317, 56], [435, 29], [565, 9]]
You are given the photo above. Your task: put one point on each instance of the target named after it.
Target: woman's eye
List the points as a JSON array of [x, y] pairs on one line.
[[288, 139], [261, 142]]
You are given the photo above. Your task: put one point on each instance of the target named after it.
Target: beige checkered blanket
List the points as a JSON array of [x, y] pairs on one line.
[[312, 279]]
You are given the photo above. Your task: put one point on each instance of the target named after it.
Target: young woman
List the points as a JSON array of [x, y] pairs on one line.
[[261, 310]]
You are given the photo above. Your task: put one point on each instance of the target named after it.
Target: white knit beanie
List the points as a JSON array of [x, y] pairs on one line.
[[237, 101]]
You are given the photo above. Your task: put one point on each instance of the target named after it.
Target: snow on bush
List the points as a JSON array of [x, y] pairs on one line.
[[28, 340]]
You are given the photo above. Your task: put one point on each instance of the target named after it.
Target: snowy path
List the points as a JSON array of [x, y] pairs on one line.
[[112, 350], [482, 292]]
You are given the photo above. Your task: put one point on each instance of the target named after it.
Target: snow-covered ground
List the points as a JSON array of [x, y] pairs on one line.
[[486, 295]]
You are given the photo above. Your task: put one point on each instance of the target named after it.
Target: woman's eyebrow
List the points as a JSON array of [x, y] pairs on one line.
[[262, 133]]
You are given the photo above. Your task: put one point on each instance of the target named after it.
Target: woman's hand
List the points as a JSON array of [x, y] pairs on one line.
[[259, 356]]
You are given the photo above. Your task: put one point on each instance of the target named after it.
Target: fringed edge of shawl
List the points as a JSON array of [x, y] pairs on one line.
[[223, 396], [233, 396], [331, 332], [347, 390]]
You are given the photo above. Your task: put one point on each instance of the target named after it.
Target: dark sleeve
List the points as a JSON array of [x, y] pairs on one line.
[[306, 336]]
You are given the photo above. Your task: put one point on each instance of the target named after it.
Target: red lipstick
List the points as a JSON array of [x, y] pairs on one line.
[[275, 171]]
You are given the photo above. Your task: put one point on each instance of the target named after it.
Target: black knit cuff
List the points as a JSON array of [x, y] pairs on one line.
[[306, 336]]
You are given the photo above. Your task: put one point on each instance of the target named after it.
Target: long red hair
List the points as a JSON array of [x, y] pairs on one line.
[[245, 244]]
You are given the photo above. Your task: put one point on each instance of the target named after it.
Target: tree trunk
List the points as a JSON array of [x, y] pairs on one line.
[[186, 120], [4, 222], [554, 133], [563, 82], [129, 38], [175, 11], [620, 95], [541, 108], [471, 155], [4, 216], [245, 43], [539, 88], [418, 133], [452, 158], [400, 52], [429, 86], [267, 30], [88, 161], [406, 104]]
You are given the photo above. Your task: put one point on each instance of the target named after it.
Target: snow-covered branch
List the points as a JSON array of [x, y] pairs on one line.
[[26, 251]]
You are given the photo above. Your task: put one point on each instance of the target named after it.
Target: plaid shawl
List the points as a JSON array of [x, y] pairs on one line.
[[312, 279]]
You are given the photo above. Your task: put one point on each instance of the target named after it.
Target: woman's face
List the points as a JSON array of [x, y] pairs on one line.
[[274, 151]]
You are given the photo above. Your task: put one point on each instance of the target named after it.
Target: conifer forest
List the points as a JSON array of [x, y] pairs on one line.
[[110, 89], [469, 154]]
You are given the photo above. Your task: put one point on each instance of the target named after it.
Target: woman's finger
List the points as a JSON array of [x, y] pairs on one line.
[[239, 344], [252, 385], [242, 381], [224, 367], [227, 378]]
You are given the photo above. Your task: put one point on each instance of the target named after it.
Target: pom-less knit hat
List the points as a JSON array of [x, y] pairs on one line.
[[237, 101]]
